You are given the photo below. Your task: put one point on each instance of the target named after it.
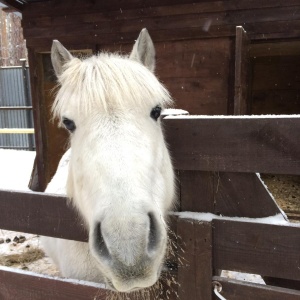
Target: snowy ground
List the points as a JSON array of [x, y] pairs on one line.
[[15, 169], [18, 249], [15, 172]]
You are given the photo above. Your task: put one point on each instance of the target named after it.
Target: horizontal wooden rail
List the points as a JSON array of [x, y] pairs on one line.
[[16, 131], [239, 290], [235, 144], [40, 213], [19, 285], [264, 249]]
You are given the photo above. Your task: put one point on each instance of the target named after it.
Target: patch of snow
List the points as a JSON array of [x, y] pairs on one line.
[[57, 185], [208, 217], [173, 112], [16, 168], [233, 117], [243, 276]]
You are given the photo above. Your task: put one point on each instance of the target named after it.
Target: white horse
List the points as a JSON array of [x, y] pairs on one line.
[[118, 172]]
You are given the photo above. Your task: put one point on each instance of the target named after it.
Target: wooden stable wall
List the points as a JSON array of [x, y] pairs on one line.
[[195, 45]]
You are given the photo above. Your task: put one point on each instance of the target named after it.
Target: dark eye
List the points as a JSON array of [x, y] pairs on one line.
[[155, 112], [69, 124]]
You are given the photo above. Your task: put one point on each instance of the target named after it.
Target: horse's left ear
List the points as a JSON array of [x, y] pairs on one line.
[[143, 50], [59, 56]]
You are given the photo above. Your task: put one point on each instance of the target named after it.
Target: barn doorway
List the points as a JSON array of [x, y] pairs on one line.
[[274, 88], [275, 78]]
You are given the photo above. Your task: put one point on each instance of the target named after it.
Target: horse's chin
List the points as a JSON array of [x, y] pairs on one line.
[[114, 282], [127, 285], [110, 286]]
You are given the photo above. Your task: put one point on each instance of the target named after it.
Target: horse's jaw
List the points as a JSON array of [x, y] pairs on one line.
[[129, 253]]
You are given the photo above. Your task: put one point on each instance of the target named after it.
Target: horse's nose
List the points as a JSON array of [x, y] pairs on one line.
[[154, 235], [100, 243], [152, 241]]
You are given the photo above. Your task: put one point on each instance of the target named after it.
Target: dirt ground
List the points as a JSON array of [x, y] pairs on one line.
[[24, 251]]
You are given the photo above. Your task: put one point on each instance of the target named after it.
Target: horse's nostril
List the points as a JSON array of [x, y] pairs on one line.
[[153, 233], [100, 243]]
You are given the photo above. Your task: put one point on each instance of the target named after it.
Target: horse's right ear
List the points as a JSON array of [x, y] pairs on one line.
[[143, 50], [59, 56]]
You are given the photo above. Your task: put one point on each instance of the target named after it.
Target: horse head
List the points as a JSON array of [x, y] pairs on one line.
[[120, 174]]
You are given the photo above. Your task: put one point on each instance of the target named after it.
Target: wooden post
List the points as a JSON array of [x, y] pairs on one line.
[[195, 259]]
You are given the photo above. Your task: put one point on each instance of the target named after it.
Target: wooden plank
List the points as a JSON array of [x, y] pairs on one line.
[[285, 283], [241, 85], [229, 12], [242, 195], [195, 255], [41, 214], [260, 31], [264, 249], [18, 285], [34, 9], [225, 193], [196, 191], [284, 48], [102, 24], [235, 144], [195, 95], [239, 290]]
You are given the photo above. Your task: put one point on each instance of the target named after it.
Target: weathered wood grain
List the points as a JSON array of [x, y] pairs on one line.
[[242, 68], [41, 214], [197, 191], [242, 195], [20, 285], [271, 250], [195, 259], [225, 193], [239, 290], [49, 15], [211, 17], [229, 144]]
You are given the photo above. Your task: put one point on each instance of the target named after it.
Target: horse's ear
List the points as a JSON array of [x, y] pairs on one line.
[[143, 50], [59, 56]]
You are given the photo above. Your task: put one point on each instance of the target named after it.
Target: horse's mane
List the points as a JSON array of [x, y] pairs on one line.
[[106, 82]]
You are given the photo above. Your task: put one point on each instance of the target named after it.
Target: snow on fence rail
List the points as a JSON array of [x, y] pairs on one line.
[[215, 159]]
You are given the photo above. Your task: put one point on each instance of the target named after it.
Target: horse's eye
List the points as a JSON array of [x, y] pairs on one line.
[[155, 112], [69, 124]]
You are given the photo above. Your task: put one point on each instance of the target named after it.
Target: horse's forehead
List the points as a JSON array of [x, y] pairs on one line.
[[107, 86]]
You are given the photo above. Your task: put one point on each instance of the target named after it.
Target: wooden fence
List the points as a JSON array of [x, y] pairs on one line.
[[216, 159]]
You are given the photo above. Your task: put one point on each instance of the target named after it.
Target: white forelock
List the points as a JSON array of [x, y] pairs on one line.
[[107, 82]]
